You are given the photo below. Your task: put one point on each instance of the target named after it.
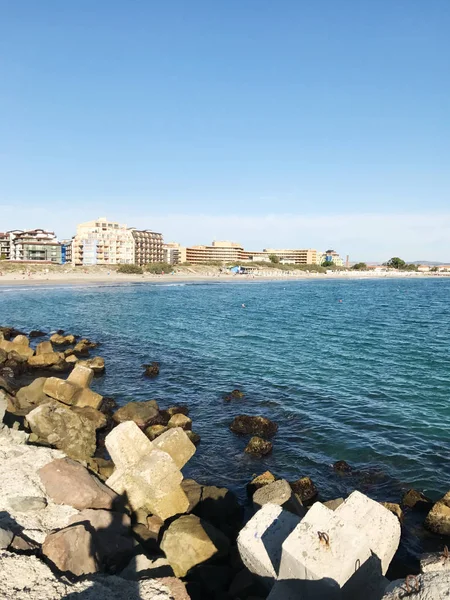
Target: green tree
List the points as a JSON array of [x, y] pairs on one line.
[[361, 266], [396, 263], [328, 264], [274, 259], [2, 256]]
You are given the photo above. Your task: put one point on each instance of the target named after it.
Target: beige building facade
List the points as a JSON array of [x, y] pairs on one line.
[[102, 242], [148, 247], [292, 257], [219, 251]]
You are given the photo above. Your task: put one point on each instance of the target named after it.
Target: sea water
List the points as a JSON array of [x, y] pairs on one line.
[[350, 370]]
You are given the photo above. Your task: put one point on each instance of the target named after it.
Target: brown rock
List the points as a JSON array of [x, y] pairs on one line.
[[179, 420], [342, 467], [36, 333], [189, 541], [395, 509], [260, 426], [258, 446], [62, 340], [416, 500], [438, 519], [71, 550], [48, 360], [67, 482], [193, 491], [61, 390], [194, 437], [279, 492], [3, 356], [142, 413], [259, 482], [305, 489], [334, 504], [98, 419], [81, 349], [30, 396], [86, 397], [154, 525], [154, 431], [96, 363], [151, 370], [234, 395]]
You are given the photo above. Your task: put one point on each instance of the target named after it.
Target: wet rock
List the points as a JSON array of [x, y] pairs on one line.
[[62, 340], [189, 542], [279, 493], [395, 509], [438, 519], [258, 446], [341, 466], [96, 363], [67, 482], [259, 482], [151, 370], [416, 500], [81, 349], [141, 413], [234, 395], [89, 343], [305, 489], [108, 406], [181, 421], [36, 333], [154, 431], [61, 427], [194, 437], [260, 426]]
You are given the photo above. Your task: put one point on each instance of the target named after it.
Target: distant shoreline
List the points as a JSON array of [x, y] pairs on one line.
[[52, 279]]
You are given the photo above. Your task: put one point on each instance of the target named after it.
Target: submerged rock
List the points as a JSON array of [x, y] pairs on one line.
[[341, 466], [260, 426], [234, 395], [151, 370], [96, 363], [258, 446]]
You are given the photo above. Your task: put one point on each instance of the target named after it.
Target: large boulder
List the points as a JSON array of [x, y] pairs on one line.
[[438, 519], [62, 340], [416, 500], [71, 551], [53, 361], [189, 542], [260, 426], [67, 482], [180, 420], [65, 429], [142, 413], [22, 348]]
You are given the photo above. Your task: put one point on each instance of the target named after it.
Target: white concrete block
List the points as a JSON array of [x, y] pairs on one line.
[[127, 445], [260, 541], [325, 548], [380, 527]]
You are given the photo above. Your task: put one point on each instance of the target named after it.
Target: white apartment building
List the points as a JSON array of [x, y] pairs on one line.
[[103, 242]]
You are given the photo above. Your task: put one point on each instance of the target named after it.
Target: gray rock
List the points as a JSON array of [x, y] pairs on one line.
[[428, 586], [27, 503], [6, 537]]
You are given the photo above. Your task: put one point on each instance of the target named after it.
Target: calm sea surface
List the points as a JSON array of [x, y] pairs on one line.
[[366, 380]]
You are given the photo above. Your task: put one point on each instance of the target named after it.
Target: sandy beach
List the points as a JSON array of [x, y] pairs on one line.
[[38, 275]]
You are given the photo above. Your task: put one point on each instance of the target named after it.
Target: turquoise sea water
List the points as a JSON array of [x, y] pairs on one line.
[[366, 379]]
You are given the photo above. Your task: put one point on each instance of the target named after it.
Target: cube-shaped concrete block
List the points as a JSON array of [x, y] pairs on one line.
[[127, 445], [81, 376], [260, 541], [87, 397], [160, 471], [380, 527], [325, 548], [177, 445]]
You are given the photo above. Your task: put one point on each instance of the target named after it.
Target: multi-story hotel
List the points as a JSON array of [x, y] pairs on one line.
[[30, 246], [102, 242], [174, 254], [291, 257], [222, 251], [148, 247], [330, 256]]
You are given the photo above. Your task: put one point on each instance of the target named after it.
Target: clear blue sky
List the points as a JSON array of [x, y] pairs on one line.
[[288, 123]]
